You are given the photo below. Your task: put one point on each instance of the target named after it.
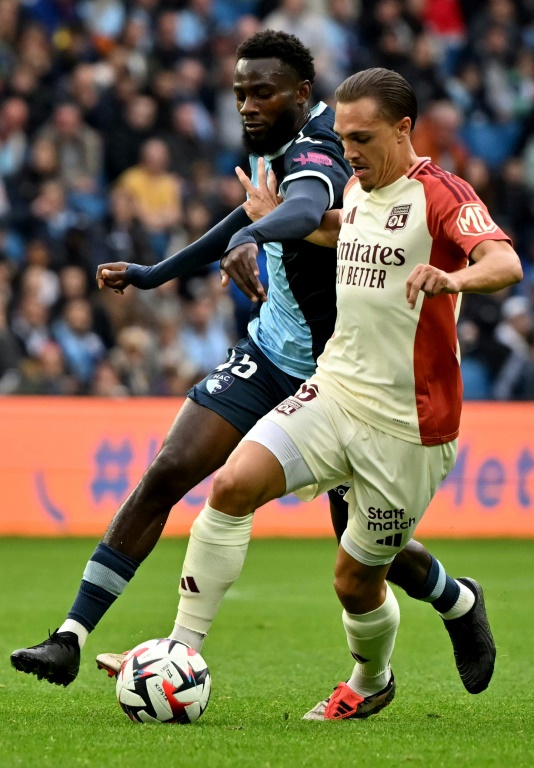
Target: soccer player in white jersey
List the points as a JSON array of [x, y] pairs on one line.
[[383, 407]]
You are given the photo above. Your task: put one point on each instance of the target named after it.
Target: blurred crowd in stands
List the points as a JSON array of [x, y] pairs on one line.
[[118, 141]]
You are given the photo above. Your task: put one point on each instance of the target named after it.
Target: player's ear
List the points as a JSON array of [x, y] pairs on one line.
[[303, 91], [404, 128]]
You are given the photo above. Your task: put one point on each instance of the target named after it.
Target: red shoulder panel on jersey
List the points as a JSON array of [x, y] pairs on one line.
[[460, 189]]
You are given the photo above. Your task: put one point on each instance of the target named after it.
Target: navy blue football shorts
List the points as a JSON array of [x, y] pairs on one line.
[[244, 388]]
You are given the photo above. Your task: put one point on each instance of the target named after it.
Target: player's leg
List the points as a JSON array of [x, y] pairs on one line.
[[220, 536], [197, 444], [459, 602], [265, 465], [371, 618], [221, 408]]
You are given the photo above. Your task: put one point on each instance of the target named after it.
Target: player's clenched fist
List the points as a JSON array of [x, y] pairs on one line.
[[431, 280], [113, 276]]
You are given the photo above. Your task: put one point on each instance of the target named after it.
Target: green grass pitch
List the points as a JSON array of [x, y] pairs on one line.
[[277, 647]]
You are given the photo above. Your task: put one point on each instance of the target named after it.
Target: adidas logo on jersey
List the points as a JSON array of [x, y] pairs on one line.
[[391, 541], [351, 215]]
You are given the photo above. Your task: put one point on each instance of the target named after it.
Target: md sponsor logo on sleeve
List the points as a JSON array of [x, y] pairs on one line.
[[219, 382], [473, 220]]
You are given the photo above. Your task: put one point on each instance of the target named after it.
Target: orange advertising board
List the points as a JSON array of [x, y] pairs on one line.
[[66, 464]]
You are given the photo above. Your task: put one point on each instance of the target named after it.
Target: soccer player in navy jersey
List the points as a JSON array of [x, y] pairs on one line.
[[273, 80]]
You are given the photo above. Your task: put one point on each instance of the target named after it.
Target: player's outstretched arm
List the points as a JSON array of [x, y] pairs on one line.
[[496, 266], [205, 250], [327, 233]]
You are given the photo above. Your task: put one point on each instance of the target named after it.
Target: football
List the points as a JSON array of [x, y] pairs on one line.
[[163, 681]]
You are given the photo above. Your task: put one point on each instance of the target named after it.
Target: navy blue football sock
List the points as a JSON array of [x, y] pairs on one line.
[[105, 577], [439, 589]]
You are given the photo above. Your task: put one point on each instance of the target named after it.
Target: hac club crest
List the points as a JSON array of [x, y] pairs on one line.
[[398, 217], [219, 382]]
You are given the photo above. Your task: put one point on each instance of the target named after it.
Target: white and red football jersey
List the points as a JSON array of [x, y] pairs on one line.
[[394, 367]]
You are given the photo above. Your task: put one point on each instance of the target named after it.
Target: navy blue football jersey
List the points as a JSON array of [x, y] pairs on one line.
[[292, 327]]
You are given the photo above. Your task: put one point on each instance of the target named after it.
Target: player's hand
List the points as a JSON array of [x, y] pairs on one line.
[[113, 276], [241, 265], [431, 280], [261, 199]]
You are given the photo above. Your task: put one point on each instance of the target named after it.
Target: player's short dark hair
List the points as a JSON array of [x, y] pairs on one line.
[[394, 95], [279, 45]]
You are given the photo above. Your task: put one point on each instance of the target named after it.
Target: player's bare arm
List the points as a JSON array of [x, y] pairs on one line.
[[262, 199], [496, 266], [328, 233]]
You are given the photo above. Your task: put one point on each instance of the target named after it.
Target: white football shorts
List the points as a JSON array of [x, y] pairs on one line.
[[320, 445]]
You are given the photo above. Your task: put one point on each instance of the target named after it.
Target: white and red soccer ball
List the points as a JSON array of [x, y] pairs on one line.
[[163, 681]]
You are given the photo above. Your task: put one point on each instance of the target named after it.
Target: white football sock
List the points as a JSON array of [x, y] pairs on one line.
[[371, 636], [465, 602], [215, 555], [187, 636], [69, 625]]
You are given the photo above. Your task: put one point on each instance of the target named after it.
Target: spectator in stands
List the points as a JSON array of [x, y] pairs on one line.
[[188, 145], [74, 284], [467, 89], [156, 194], [37, 95], [121, 235], [52, 219], [24, 187], [192, 85], [45, 373], [30, 324], [196, 28], [13, 139], [515, 380], [81, 347], [80, 157], [134, 360], [10, 354], [437, 135], [106, 382], [296, 18], [203, 337], [125, 139], [166, 51], [85, 92]]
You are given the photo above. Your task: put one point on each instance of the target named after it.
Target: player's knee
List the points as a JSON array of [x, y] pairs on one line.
[[356, 593], [349, 590], [233, 492]]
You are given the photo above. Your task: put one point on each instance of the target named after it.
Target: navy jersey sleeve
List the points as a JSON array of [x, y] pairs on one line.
[[207, 249], [297, 217], [316, 158]]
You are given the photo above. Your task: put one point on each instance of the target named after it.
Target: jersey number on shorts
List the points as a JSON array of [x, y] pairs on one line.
[[245, 368]]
